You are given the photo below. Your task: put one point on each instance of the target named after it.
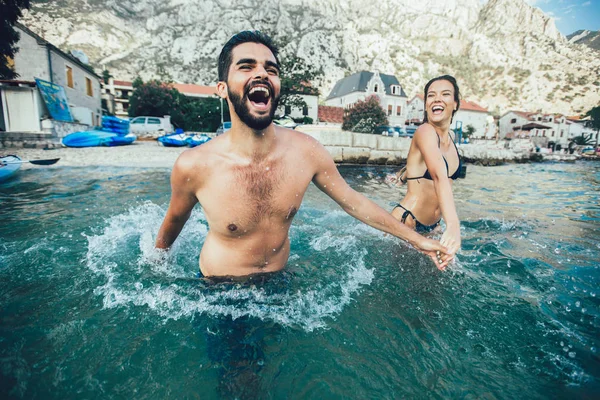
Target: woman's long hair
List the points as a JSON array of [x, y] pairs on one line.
[[450, 79]]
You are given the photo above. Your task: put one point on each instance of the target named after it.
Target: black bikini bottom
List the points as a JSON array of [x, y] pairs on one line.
[[419, 227]]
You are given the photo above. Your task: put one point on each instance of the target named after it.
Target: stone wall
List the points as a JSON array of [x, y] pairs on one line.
[[359, 148]]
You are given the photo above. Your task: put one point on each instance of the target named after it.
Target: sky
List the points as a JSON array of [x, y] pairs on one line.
[[571, 15]]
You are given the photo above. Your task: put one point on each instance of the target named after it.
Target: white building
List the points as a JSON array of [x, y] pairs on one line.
[[556, 129], [22, 106], [469, 113], [359, 86], [415, 110]]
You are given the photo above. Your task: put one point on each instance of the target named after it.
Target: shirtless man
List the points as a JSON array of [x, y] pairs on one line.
[[250, 181]]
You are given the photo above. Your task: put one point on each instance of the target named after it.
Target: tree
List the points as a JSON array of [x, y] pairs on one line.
[[594, 121], [296, 79], [156, 99], [364, 116], [468, 132], [582, 140], [202, 115], [10, 12], [137, 82], [106, 76]]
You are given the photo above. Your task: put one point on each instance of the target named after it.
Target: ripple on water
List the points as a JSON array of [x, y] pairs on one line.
[[135, 274]]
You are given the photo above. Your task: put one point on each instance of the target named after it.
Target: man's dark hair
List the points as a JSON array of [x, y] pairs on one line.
[[237, 39], [450, 79]]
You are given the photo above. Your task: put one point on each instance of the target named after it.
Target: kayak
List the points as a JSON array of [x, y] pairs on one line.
[[174, 140], [114, 124], [9, 165], [97, 138], [182, 139], [197, 140]]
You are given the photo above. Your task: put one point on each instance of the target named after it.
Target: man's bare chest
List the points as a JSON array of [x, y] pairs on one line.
[[242, 198]]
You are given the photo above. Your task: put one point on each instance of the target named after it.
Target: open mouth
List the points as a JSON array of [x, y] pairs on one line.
[[437, 110], [259, 96]]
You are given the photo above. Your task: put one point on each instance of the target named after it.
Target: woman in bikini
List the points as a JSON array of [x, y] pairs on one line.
[[432, 164]]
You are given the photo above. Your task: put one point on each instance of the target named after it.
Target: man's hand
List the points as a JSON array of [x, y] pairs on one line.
[[440, 255]]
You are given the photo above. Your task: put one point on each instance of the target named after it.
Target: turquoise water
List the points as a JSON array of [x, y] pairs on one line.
[[88, 310]]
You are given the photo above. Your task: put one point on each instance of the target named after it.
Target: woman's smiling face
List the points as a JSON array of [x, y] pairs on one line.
[[440, 102]]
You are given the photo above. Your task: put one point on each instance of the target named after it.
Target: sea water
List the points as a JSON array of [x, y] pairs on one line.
[[89, 309]]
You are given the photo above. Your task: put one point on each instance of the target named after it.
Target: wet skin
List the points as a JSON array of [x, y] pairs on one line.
[[250, 182]]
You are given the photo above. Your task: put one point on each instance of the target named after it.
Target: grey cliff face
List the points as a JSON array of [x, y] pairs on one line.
[[506, 54]]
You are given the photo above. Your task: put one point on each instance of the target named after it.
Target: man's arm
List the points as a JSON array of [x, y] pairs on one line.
[[328, 179], [183, 200]]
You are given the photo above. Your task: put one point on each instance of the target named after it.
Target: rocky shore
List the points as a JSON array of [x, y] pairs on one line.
[[344, 147]]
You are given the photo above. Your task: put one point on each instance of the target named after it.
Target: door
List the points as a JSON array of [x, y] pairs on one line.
[[21, 111]]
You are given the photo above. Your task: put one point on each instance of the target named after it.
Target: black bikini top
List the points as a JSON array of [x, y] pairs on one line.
[[427, 175]]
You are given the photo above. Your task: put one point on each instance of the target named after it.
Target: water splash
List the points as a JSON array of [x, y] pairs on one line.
[[135, 274]]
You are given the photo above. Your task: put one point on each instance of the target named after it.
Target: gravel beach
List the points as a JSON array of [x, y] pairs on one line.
[[143, 154]]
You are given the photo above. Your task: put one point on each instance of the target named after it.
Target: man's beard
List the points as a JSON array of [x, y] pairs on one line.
[[240, 105]]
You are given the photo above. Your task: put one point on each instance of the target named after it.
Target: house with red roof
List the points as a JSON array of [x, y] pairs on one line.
[[469, 113], [554, 130]]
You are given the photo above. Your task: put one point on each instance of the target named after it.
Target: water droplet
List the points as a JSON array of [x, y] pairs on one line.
[[562, 344], [274, 249], [267, 168], [325, 185], [266, 262], [578, 304], [572, 354]]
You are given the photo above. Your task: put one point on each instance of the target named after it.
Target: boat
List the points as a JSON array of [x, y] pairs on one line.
[[116, 125], [97, 138], [174, 140], [9, 165], [197, 140]]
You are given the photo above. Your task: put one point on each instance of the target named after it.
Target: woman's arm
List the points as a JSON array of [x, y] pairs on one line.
[[426, 141], [328, 179]]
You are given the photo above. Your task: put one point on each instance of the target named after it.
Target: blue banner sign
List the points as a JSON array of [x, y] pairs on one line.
[[56, 100]]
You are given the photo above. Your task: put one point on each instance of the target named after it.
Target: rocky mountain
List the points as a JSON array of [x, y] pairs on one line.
[[588, 38], [505, 53]]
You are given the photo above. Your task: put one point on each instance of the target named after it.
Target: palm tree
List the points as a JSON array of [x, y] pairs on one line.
[[594, 121]]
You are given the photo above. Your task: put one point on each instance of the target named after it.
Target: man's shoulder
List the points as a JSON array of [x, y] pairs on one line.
[[297, 138], [197, 157]]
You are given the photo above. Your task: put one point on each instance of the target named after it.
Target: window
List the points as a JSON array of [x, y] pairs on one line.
[[88, 87], [70, 77], [562, 132], [288, 109], [544, 135], [305, 110], [375, 88], [139, 121], [537, 132], [390, 109], [513, 121], [154, 121], [398, 110], [552, 133], [539, 118]]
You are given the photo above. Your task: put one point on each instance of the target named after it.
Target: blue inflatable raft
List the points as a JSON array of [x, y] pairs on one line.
[[9, 165], [97, 138]]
